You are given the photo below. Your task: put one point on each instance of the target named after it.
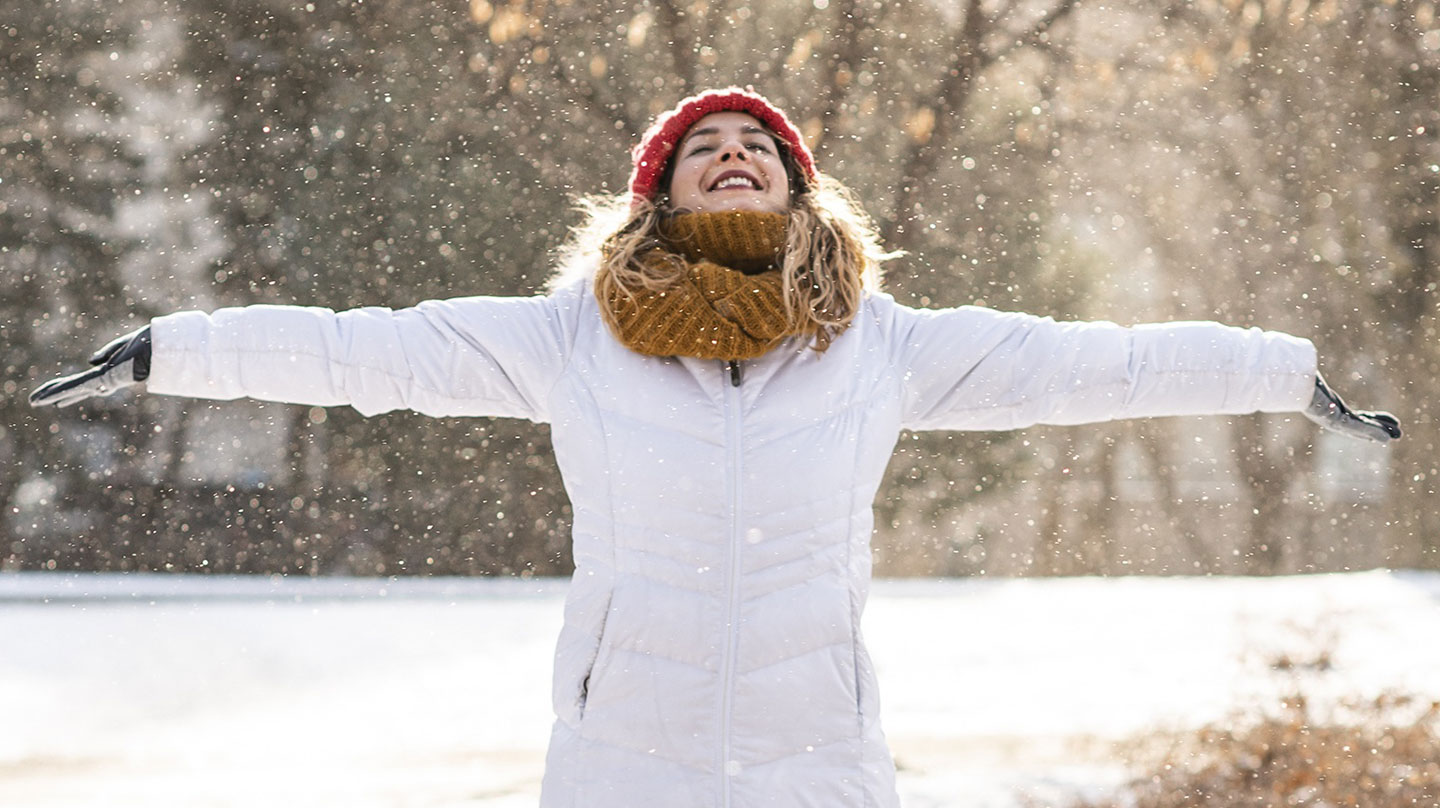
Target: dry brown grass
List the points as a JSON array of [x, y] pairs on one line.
[[1378, 753]]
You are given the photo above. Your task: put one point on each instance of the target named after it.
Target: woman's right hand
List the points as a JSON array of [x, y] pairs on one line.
[[122, 363]]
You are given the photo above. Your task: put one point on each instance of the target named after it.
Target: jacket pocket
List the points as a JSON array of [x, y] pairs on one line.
[[597, 660], [576, 650], [866, 702], [856, 661]]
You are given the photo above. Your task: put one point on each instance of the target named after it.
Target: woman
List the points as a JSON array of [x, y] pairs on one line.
[[725, 385]]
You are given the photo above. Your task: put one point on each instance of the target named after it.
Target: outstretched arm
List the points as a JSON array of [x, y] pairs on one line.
[[975, 368], [469, 356]]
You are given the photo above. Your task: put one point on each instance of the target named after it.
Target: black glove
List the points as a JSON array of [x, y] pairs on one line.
[[123, 363], [1327, 410]]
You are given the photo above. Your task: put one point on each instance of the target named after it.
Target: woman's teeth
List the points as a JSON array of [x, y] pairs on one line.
[[732, 182]]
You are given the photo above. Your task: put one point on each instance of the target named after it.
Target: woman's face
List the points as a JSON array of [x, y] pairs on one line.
[[727, 161]]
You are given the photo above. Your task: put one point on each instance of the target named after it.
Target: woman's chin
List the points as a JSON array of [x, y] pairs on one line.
[[738, 203]]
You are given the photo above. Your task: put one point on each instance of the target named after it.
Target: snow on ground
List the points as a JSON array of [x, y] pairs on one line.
[[151, 690]]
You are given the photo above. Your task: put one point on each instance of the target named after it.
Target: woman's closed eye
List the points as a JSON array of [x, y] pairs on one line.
[[760, 147]]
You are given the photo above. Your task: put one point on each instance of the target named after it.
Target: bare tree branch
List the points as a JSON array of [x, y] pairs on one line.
[[955, 85], [778, 67], [1035, 36], [846, 52], [1004, 15], [595, 101], [681, 47]]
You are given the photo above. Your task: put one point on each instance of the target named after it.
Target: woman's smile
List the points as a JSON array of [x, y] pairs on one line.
[[735, 178]]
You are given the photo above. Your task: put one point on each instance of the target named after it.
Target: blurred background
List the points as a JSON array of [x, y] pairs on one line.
[[1259, 162]]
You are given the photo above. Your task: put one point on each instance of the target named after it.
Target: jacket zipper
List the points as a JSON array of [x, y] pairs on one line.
[[732, 439]]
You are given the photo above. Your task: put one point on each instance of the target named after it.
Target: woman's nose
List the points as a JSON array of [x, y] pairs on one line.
[[733, 151]]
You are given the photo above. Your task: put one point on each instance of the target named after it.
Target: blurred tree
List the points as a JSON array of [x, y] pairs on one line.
[[1303, 95], [65, 163], [357, 165], [1402, 283], [1214, 145]]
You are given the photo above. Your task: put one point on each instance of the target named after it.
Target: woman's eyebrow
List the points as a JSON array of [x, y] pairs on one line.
[[709, 130], [747, 129]]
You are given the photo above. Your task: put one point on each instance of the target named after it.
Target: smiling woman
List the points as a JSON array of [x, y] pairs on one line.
[[729, 240], [725, 383]]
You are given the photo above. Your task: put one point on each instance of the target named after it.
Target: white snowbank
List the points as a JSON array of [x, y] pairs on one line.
[[146, 690]]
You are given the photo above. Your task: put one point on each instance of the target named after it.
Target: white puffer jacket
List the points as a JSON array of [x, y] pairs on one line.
[[711, 654]]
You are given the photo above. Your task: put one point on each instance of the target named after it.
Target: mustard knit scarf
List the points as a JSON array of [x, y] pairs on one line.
[[726, 302]]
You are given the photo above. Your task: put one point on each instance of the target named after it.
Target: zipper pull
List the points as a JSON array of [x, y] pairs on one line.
[[734, 373]]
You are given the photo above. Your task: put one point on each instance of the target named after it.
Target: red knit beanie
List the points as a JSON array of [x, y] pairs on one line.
[[652, 153]]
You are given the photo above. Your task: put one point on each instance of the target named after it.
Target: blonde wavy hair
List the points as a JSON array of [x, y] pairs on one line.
[[832, 255]]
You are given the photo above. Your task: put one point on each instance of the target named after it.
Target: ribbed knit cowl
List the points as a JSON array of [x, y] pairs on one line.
[[726, 301]]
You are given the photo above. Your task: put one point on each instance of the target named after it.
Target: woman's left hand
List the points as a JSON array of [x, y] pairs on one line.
[[1329, 411]]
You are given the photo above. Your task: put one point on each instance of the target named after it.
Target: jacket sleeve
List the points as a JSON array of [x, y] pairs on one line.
[[975, 368], [468, 356]]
